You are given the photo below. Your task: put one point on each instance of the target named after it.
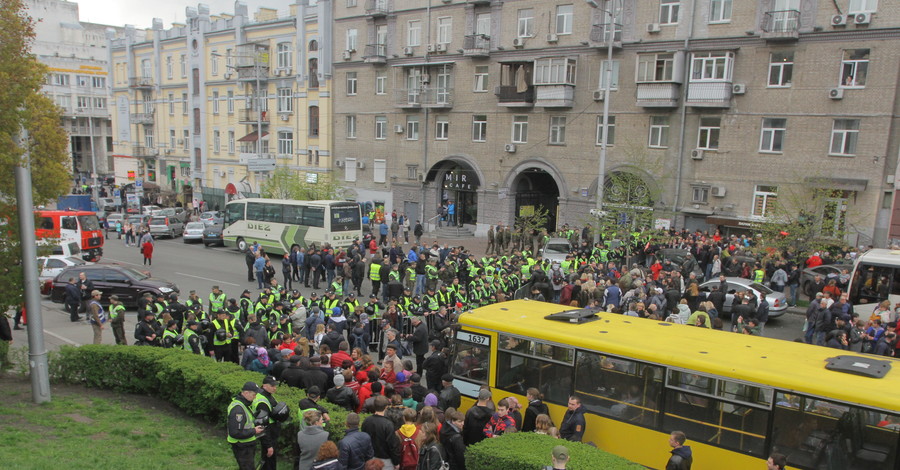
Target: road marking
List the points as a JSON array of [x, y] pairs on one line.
[[208, 279], [125, 262], [73, 343]]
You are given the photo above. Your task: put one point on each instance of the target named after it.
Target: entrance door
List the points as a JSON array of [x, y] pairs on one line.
[[411, 209]]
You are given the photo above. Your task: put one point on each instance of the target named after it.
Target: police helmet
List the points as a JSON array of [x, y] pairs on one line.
[[204, 324], [221, 335], [281, 412], [179, 340], [173, 297], [262, 417]]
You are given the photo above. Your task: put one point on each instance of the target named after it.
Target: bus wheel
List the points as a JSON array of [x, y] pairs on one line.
[[242, 245]]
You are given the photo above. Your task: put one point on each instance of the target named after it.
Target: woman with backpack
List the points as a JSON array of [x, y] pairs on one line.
[[431, 456]]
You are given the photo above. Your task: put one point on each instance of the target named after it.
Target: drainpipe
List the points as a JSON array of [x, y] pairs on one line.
[[686, 80], [425, 123]]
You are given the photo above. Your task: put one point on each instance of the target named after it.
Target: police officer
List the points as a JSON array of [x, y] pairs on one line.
[[246, 305], [216, 300], [224, 332], [242, 433], [170, 335], [192, 340], [145, 331], [177, 310], [117, 319], [268, 440]]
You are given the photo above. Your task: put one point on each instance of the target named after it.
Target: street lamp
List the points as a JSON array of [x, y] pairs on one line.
[[609, 33]]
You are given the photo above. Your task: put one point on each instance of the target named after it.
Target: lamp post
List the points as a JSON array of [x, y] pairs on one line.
[[609, 34]]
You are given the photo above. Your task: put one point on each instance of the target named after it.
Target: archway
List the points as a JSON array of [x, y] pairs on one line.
[[457, 182], [536, 188]]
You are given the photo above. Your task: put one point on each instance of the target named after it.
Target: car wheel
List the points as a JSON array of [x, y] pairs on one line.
[[242, 245]]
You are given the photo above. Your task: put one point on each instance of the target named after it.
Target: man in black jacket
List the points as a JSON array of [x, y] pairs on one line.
[[435, 366], [419, 340], [476, 418], [452, 440], [573, 423], [241, 432], [385, 441], [450, 396], [145, 333], [341, 395], [355, 449]]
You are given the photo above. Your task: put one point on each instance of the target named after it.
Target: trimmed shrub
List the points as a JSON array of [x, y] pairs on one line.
[[527, 450], [196, 384]]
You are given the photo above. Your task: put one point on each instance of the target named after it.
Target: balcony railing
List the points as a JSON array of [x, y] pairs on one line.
[[601, 34], [142, 118], [658, 95], [250, 55], [555, 96], [252, 116], [438, 97], [143, 151], [709, 94], [509, 96], [140, 82], [477, 45], [377, 8], [375, 54], [259, 72], [783, 25]]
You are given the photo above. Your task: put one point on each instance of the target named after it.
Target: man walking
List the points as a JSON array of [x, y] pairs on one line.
[[573, 423], [682, 458], [380, 429]]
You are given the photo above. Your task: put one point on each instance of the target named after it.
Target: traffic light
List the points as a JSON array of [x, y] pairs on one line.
[[151, 175]]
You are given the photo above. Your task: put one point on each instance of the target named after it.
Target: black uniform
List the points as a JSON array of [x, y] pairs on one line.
[[143, 330], [273, 430], [240, 427]]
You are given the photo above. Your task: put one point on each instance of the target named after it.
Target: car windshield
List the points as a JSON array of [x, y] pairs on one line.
[[158, 221], [75, 261], [207, 215], [765, 290], [195, 226], [89, 222], [556, 248], [134, 273]]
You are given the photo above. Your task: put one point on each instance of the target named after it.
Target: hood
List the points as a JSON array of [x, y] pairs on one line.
[[683, 452], [312, 430], [481, 412], [408, 430]]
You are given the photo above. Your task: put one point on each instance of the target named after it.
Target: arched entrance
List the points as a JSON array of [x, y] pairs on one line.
[[457, 183], [535, 187]]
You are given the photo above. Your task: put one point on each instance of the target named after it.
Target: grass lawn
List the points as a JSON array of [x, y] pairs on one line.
[[83, 428]]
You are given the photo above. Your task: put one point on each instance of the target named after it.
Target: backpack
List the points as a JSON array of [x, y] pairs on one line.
[[557, 277], [429, 456], [409, 455]]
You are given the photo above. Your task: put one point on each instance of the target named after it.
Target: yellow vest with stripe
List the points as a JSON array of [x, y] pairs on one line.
[[375, 272], [247, 424]]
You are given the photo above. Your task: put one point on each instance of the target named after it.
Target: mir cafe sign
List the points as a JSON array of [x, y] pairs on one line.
[[460, 181]]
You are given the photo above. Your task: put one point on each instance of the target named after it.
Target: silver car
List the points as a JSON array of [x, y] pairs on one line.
[[556, 250], [193, 232], [166, 227], [777, 300]]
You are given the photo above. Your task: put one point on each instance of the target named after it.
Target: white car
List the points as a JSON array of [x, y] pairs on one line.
[[50, 266], [151, 210], [193, 232]]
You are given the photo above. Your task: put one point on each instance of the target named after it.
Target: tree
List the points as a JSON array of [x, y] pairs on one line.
[[24, 107], [530, 226], [288, 184]]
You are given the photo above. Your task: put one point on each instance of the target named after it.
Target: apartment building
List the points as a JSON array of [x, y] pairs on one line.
[[75, 53], [221, 101], [716, 109]]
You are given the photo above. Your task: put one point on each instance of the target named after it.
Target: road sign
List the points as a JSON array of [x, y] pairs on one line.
[[117, 193], [139, 183]]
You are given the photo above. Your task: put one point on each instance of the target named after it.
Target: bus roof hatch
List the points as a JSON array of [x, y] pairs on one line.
[[865, 366], [581, 315]]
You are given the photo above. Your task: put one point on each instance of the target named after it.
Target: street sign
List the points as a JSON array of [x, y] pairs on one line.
[[261, 164], [117, 193], [139, 183]]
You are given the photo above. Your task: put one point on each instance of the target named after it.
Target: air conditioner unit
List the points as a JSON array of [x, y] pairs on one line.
[[519, 42], [836, 93], [717, 191], [738, 89], [425, 78], [697, 154], [279, 72], [599, 95], [346, 55], [421, 177], [839, 20], [441, 47], [407, 51], [862, 18], [339, 163], [285, 116], [227, 75], [398, 129], [361, 165], [652, 27], [510, 148], [552, 37], [429, 48]]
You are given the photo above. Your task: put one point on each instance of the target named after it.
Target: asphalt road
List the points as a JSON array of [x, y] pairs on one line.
[[193, 266]]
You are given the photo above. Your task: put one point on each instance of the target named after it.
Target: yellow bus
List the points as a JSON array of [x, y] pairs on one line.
[[738, 398]]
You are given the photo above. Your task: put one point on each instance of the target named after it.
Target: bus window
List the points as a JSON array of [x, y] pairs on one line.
[[472, 361], [256, 211], [293, 215], [89, 222], [872, 284], [344, 218], [518, 369], [234, 212], [811, 431], [272, 213], [46, 223], [314, 216], [69, 223], [619, 388]]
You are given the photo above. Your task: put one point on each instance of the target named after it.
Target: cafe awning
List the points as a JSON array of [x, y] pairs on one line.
[[252, 137]]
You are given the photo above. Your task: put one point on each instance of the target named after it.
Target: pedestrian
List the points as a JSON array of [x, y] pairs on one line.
[[147, 251], [559, 458], [476, 418], [385, 441], [535, 407], [355, 449], [451, 213], [430, 455], [682, 458], [311, 438], [6, 341], [452, 440], [286, 271], [259, 265], [327, 458], [573, 423], [776, 462], [406, 225], [418, 231], [72, 300], [242, 433], [85, 286], [97, 316], [266, 401], [249, 259], [117, 319]]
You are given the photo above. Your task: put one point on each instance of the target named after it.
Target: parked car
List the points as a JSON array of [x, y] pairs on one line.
[[139, 221], [126, 282], [112, 220], [106, 204], [827, 271], [777, 300], [556, 250], [212, 235], [675, 255], [50, 266], [209, 217], [150, 210], [166, 226], [193, 232]]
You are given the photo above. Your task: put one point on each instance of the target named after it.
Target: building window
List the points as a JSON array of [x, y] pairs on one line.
[[525, 27], [444, 30], [854, 68], [229, 58], [380, 85], [781, 68], [764, 200], [554, 71], [700, 194], [283, 55], [614, 85], [214, 63], [413, 33], [659, 132], [184, 104], [100, 82], [230, 141], [442, 128], [313, 121], [186, 139], [148, 137], [351, 3], [557, 130], [719, 11], [481, 78], [170, 68], [217, 144], [64, 101], [564, 19], [844, 135], [285, 100], [61, 79], [380, 127], [611, 133], [862, 6], [379, 171], [656, 67], [351, 127], [479, 128], [350, 169], [171, 104], [215, 102], [351, 39], [520, 129], [230, 102], [668, 11], [412, 127], [772, 137], [84, 102], [412, 171], [711, 66], [171, 138], [708, 135], [314, 72], [183, 65], [351, 83], [285, 143], [146, 68], [83, 81]]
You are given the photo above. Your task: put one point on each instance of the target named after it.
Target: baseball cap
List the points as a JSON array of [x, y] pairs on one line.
[[114, 297], [250, 387], [560, 453], [269, 380], [95, 292]]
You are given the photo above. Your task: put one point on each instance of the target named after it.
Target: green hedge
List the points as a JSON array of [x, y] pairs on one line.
[[196, 384], [530, 451]]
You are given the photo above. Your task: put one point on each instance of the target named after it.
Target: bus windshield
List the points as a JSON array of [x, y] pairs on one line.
[[344, 218], [89, 222]]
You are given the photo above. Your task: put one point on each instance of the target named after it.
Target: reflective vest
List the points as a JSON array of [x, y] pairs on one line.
[[260, 399], [375, 272], [188, 334], [410, 274], [351, 305], [188, 303], [169, 334], [329, 304], [432, 302], [338, 288], [444, 297], [261, 310], [374, 315], [160, 307], [115, 311], [216, 303], [431, 272], [246, 424], [394, 276], [229, 328], [100, 313], [758, 275]]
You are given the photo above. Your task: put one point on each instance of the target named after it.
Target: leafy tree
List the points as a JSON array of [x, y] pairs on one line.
[[23, 106], [285, 183], [531, 225]]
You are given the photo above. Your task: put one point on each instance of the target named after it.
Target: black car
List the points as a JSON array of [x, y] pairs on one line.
[[126, 282], [212, 235]]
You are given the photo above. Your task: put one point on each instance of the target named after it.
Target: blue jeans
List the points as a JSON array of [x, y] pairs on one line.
[[810, 333], [259, 278], [792, 299], [420, 284], [329, 276]]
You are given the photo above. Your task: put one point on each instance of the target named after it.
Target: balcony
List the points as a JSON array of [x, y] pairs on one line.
[[415, 98], [378, 8], [781, 25], [477, 45], [510, 97], [375, 54], [252, 116], [658, 94], [142, 118], [555, 96], [709, 94], [140, 82], [144, 152], [602, 34], [260, 72]]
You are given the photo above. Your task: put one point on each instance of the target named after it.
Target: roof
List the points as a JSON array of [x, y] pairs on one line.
[[881, 256], [786, 365], [321, 202]]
